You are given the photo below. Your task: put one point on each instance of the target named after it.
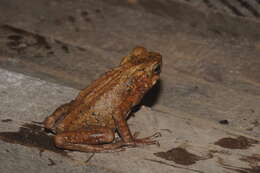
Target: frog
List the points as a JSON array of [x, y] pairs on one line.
[[96, 120]]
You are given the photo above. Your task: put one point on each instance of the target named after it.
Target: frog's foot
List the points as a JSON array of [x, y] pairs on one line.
[[150, 140], [154, 136]]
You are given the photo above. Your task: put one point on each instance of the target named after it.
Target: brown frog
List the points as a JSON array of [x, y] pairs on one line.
[[90, 121]]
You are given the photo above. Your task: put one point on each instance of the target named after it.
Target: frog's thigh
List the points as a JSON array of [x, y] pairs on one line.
[[87, 140]]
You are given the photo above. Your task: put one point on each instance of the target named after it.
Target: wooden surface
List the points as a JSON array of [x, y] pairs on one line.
[[211, 66]]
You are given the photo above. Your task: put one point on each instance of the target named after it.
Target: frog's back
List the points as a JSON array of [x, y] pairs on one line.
[[94, 106]]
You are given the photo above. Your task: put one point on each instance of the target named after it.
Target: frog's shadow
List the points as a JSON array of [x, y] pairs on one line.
[[151, 97]]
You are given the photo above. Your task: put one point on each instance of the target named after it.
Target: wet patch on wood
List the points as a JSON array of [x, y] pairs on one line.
[[179, 156], [240, 142], [32, 135]]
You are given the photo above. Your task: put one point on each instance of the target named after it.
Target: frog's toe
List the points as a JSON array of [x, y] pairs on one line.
[[48, 123], [150, 140], [136, 134], [156, 135], [145, 141]]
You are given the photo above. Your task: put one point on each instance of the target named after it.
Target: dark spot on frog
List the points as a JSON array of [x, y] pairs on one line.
[[6, 120], [179, 156], [32, 135], [240, 142], [224, 122]]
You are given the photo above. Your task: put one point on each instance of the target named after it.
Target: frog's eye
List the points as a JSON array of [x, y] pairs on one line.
[[157, 69]]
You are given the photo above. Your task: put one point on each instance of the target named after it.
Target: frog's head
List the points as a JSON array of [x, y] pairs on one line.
[[143, 66]]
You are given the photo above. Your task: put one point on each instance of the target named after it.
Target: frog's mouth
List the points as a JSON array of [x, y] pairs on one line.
[[156, 74], [155, 78], [156, 70]]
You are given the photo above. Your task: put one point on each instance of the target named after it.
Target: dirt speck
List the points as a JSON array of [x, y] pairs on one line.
[[52, 163], [224, 122], [71, 19], [6, 120], [179, 156], [65, 48], [240, 142], [85, 16], [32, 135], [98, 11]]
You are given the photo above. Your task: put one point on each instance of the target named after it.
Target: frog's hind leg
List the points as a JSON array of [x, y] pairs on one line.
[[98, 139], [57, 115]]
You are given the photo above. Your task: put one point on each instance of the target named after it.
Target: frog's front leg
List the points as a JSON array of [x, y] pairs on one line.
[[127, 138], [94, 139]]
